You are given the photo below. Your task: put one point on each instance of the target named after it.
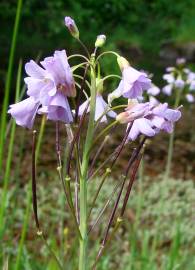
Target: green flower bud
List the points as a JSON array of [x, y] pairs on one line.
[[101, 39]]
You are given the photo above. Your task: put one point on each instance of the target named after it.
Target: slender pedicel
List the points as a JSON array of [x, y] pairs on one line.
[[131, 181], [110, 198], [34, 187], [131, 161], [98, 152], [81, 92], [75, 139]]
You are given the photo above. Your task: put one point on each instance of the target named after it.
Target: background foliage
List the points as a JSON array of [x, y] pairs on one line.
[[137, 27]]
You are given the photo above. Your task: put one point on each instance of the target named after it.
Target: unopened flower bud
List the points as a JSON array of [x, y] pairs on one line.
[[123, 118], [70, 24], [101, 39], [122, 62]]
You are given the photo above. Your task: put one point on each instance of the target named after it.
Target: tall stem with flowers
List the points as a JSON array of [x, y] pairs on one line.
[[50, 86]]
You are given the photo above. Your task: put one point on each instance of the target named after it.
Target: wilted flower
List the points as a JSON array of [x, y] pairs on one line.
[[149, 119], [101, 108], [47, 87], [70, 24]]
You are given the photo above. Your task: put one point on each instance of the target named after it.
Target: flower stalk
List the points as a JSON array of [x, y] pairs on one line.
[[84, 170]]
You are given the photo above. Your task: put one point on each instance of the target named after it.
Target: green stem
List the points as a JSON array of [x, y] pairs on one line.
[[78, 55], [104, 131], [108, 171], [108, 52], [24, 229], [171, 139], [84, 168], [9, 80], [9, 157]]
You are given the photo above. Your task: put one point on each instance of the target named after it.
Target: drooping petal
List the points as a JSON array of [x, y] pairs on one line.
[[172, 115], [58, 109], [116, 93], [145, 127], [134, 132], [24, 112]]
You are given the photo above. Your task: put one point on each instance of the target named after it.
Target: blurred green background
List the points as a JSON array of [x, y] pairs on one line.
[[149, 33]]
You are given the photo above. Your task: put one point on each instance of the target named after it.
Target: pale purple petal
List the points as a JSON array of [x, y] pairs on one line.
[[154, 90], [192, 86], [157, 121], [179, 83], [167, 127], [167, 90], [169, 78], [172, 115], [134, 132], [116, 93], [145, 127], [34, 70], [190, 98], [83, 107], [58, 109], [24, 112], [58, 66]]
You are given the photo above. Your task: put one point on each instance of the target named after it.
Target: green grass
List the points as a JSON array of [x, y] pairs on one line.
[[157, 234]]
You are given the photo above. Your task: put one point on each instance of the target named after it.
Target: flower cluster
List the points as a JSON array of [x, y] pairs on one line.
[[180, 78], [148, 118], [48, 87], [51, 83]]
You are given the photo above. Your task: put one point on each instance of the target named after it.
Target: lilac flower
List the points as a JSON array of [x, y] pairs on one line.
[[39, 83], [70, 24], [24, 112], [172, 82], [149, 119], [60, 71], [190, 98], [48, 87], [100, 109], [133, 82]]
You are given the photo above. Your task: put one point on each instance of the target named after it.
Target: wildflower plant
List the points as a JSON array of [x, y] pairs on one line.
[[181, 86], [82, 102]]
